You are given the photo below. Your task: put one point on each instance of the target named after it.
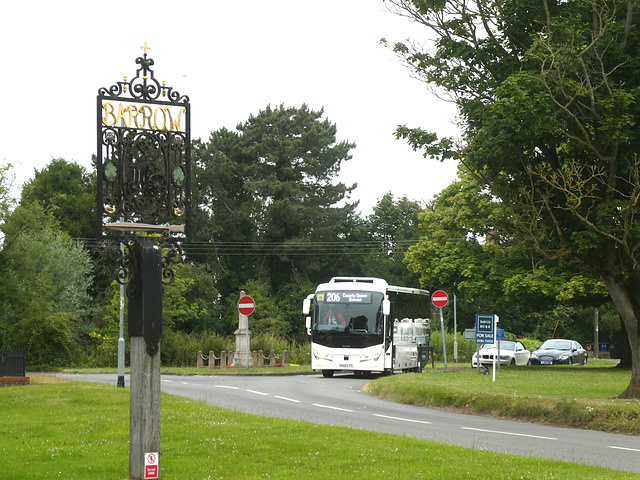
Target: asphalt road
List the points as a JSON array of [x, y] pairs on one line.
[[341, 401]]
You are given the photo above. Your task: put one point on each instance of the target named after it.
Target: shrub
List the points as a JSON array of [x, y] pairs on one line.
[[466, 348], [180, 349]]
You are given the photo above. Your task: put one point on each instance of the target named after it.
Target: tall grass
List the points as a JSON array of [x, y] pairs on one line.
[[179, 349]]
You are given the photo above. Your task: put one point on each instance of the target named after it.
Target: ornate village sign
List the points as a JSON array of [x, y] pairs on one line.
[[144, 151], [144, 185]]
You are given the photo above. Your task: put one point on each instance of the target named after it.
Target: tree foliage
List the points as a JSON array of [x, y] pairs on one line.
[[548, 96], [43, 289], [6, 180], [187, 302], [67, 191], [392, 227], [460, 247], [269, 202]]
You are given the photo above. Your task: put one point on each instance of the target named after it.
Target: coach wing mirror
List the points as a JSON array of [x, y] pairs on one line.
[[306, 305], [386, 306]]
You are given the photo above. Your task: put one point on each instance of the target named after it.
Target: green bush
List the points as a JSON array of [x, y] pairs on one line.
[[299, 353], [180, 349], [466, 348]]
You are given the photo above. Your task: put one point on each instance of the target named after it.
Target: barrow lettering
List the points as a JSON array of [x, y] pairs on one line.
[[126, 115]]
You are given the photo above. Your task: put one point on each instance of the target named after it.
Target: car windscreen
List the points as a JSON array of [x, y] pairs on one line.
[[504, 345], [556, 345], [507, 346]]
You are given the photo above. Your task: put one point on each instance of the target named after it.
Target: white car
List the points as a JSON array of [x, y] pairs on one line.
[[511, 353]]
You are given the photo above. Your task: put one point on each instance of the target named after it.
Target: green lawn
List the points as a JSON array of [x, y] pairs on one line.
[[76, 430], [575, 396]]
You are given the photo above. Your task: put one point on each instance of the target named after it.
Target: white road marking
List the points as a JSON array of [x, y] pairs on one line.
[[257, 393], [332, 408], [226, 386], [625, 448], [287, 399], [508, 433], [402, 419]]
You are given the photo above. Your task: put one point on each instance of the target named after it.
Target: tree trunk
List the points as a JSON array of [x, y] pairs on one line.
[[622, 301], [622, 348]]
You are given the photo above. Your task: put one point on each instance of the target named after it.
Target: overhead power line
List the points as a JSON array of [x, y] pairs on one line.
[[281, 248]]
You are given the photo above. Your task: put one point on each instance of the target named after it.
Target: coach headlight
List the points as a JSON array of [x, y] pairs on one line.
[[375, 358], [318, 356]]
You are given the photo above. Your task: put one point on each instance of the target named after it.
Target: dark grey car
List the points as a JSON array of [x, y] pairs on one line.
[[559, 352]]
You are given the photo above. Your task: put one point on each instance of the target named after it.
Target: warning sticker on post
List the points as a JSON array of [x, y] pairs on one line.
[[151, 467]]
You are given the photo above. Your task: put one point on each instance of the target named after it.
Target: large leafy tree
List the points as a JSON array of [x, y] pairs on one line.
[[43, 289], [460, 247], [392, 228], [67, 191], [547, 93], [269, 205]]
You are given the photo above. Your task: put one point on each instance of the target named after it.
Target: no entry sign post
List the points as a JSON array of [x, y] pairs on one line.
[[440, 299], [246, 306]]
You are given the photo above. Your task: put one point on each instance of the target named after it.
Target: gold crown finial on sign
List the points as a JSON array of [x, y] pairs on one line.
[[145, 48]]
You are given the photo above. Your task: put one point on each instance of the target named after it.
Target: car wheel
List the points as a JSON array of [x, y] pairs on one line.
[[512, 362], [528, 362]]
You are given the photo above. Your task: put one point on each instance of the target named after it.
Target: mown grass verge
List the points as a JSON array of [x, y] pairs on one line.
[[580, 397], [77, 430]]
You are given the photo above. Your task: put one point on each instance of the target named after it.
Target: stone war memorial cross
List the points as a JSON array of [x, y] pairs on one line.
[[144, 205]]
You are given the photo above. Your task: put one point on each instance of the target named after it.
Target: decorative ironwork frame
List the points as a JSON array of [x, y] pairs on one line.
[[144, 162], [127, 268]]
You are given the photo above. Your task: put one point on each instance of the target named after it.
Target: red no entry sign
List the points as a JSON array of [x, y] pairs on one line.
[[246, 305], [440, 298]]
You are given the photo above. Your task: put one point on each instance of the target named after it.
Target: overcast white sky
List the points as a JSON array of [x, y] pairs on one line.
[[232, 58]]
